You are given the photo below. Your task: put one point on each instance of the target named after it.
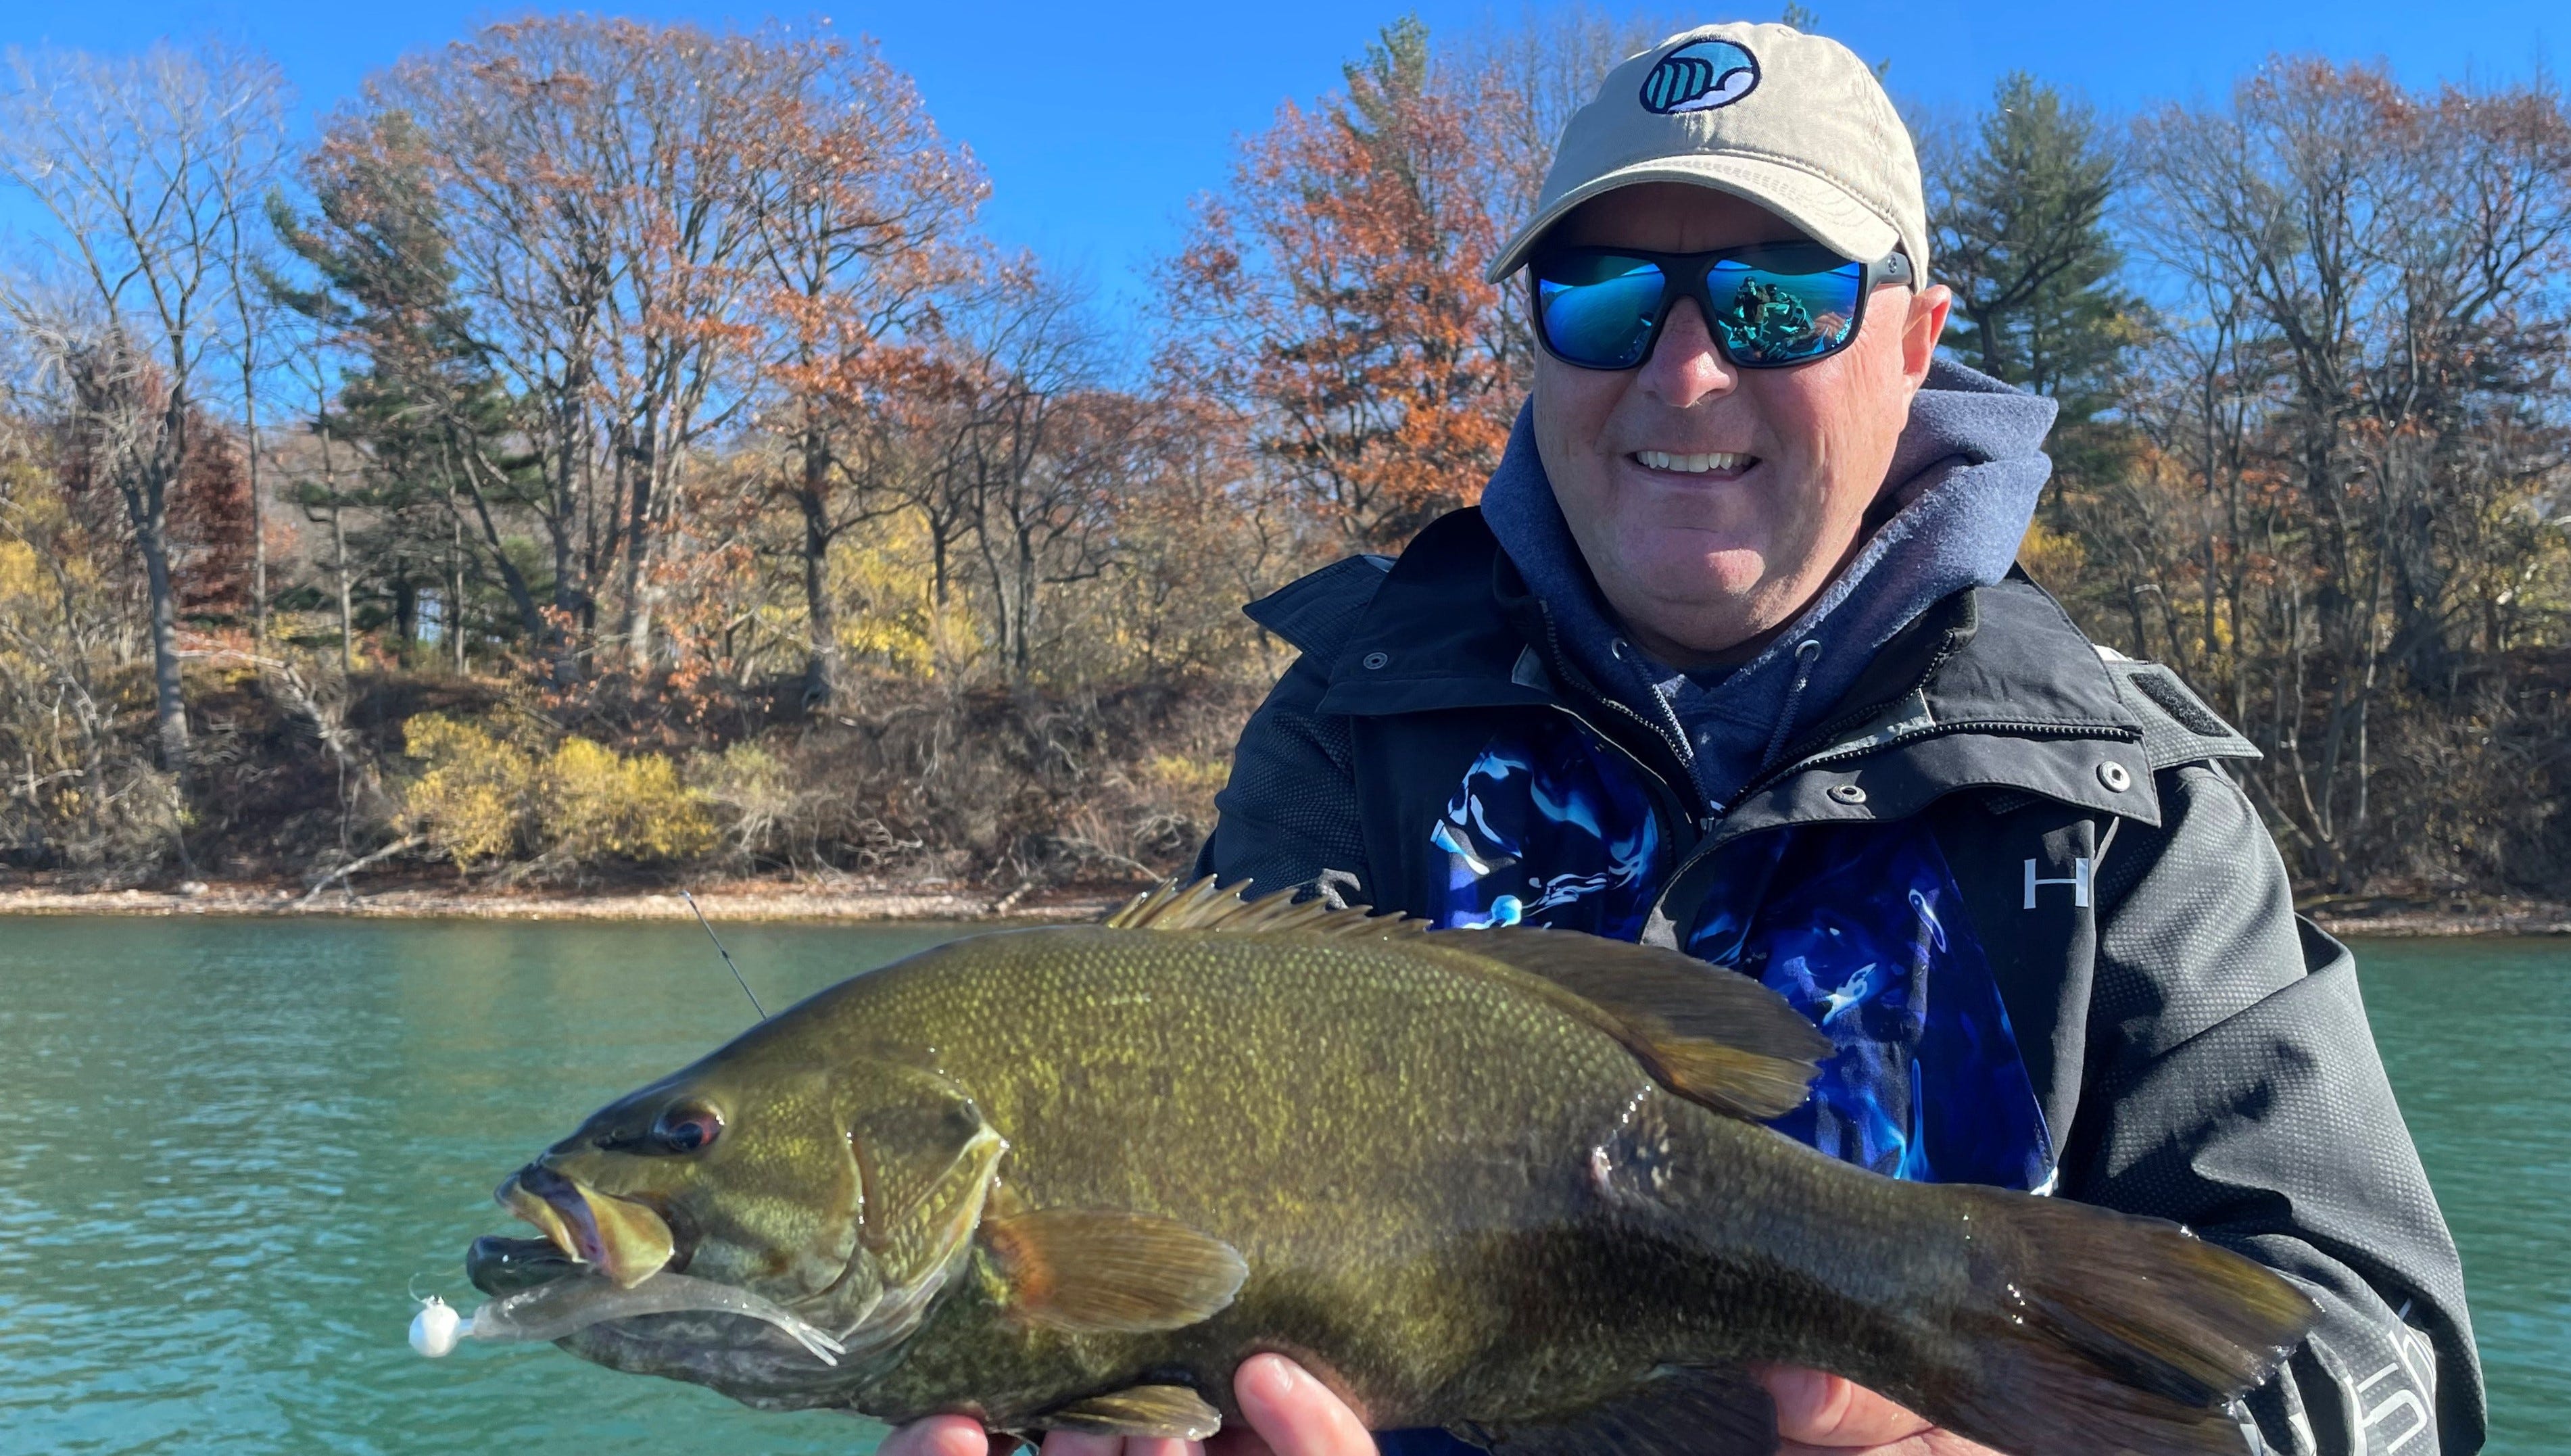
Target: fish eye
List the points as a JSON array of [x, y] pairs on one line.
[[687, 1128]]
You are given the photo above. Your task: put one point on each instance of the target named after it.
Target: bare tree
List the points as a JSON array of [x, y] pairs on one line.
[[141, 166], [2361, 373]]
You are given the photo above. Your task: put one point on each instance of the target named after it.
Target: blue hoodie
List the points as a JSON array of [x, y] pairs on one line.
[[1963, 480]]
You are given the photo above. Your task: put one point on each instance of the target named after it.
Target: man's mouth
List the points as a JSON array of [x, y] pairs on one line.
[[620, 1237], [1714, 462]]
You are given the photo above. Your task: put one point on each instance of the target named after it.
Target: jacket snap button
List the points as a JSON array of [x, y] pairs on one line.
[[1374, 663], [2113, 776], [1847, 794]]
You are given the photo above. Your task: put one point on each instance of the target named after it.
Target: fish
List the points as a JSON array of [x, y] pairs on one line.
[[1516, 1182]]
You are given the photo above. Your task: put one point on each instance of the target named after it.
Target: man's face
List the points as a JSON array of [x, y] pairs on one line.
[[1705, 564]]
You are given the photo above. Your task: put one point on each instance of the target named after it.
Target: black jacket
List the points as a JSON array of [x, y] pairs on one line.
[[2128, 1009]]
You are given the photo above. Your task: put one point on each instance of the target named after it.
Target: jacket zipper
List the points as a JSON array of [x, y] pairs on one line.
[[1677, 810], [1696, 839]]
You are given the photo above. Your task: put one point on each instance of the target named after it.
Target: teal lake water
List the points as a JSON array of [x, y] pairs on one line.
[[228, 1147]]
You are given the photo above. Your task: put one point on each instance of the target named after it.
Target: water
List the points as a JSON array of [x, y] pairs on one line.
[[227, 1146]]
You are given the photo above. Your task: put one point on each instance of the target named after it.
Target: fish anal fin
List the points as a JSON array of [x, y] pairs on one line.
[[1088, 1271], [1680, 1411], [1711, 1034], [1206, 905], [1173, 1412]]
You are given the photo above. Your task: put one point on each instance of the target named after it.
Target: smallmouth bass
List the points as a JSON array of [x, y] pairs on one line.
[[1511, 1181]]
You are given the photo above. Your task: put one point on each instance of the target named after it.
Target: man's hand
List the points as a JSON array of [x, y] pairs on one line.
[[1290, 1414], [1827, 1415]]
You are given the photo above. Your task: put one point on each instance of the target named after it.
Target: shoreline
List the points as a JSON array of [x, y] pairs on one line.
[[752, 901], [731, 903]]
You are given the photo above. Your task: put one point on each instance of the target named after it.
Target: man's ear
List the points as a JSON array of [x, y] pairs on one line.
[[1921, 328]]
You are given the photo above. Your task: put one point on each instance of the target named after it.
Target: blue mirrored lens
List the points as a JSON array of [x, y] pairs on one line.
[[1767, 317], [1598, 310]]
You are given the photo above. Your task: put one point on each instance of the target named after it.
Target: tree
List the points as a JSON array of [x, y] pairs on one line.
[[599, 188], [858, 238], [1337, 293], [141, 165], [2362, 414], [432, 427], [2022, 238]]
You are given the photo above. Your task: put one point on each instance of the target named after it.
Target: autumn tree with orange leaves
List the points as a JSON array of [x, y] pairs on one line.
[[1335, 296], [859, 235]]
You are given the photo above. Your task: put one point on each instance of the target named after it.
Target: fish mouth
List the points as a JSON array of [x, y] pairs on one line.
[[620, 1237]]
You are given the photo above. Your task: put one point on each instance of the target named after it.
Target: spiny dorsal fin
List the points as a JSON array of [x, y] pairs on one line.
[[1711, 1034], [1205, 905]]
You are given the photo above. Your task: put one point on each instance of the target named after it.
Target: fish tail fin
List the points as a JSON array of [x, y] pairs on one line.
[[2091, 1330]]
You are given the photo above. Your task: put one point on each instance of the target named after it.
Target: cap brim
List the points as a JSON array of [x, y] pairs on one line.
[[1820, 207]]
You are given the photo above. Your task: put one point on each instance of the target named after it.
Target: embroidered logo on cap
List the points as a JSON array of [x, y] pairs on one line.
[[1700, 75]]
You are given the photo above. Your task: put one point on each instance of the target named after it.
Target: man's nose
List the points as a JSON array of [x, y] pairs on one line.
[[1685, 366]]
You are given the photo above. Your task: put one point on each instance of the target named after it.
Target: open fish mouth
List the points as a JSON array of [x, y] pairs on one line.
[[620, 1237]]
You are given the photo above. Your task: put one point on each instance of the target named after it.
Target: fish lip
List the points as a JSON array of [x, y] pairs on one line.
[[625, 1239], [500, 1267]]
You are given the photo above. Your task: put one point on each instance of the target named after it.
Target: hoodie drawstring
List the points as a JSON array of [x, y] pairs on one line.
[[1807, 653]]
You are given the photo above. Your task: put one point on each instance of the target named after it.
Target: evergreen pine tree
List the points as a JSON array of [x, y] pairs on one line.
[[2021, 237]]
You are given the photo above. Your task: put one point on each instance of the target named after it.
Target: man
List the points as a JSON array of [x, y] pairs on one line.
[[1733, 658]]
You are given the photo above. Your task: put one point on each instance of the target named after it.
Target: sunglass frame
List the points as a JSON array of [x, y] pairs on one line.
[[1685, 274]]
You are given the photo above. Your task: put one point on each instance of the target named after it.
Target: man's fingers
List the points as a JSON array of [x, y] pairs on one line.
[[1295, 1414], [1819, 1409], [1081, 1444], [939, 1435]]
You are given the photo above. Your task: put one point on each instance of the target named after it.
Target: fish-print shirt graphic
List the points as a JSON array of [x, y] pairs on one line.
[[1859, 926]]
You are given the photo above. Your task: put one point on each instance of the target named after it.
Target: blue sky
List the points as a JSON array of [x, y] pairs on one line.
[[1099, 123]]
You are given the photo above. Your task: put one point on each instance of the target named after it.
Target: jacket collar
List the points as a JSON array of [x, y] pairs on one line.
[[2010, 693]]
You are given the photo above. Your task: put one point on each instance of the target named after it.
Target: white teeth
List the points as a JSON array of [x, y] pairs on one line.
[[1691, 464]]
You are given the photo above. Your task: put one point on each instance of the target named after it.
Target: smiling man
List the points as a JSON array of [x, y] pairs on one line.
[[1733, 658]]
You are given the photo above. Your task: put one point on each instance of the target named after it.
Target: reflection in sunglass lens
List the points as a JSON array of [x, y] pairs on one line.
[[1598, 309], [1767, 317]]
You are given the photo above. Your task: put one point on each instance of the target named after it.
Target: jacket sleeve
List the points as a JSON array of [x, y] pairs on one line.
[[2232, 1085], [1288, 814]]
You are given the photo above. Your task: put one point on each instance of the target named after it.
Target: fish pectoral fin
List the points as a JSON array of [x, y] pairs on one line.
[[1173, 1412], [1709, 1034], [1110, 1272], [1681, 1410]]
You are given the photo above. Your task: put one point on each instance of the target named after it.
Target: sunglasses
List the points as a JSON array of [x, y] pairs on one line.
[[1770, 306]]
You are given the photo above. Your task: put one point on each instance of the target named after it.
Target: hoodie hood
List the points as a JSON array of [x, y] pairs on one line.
[[1963, 487]]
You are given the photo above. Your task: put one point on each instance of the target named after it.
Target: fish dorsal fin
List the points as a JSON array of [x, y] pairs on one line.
[[1206, 905], [1711, 1035]]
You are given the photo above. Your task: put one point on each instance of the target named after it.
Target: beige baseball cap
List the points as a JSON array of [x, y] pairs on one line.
[[1793, 122]]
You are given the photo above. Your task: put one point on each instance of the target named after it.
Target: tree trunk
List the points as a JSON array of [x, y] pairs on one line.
[[150, 514], [821, 666], [339, 569], [258, 520], [455, 586], [145, 487]]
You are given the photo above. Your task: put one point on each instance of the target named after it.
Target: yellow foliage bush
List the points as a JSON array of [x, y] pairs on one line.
[[483, 799], [600, 805], [477, 793]]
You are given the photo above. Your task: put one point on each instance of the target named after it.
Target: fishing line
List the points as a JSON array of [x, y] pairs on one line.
[[727, 955]]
